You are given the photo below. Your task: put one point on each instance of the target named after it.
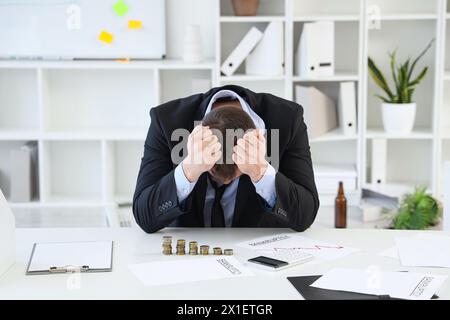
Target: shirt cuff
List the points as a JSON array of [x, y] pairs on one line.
[[265, 187], [184, 187]]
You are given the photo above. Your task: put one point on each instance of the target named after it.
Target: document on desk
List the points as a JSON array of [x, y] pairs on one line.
[[401, 285], [96, 256], [285, 242], [424, 250], [189, 270]]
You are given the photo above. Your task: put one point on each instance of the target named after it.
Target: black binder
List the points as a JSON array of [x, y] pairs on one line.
[[303, 286]]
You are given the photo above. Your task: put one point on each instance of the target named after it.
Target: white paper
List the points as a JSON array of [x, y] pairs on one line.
[[391, 252], [402, 285], [96, 255], [424, 250], [189, 270], [319, 249]]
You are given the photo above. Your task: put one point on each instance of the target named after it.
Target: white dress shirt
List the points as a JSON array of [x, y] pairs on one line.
[[265, 187]]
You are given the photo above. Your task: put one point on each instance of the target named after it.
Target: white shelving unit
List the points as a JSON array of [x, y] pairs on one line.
[[90, 118]]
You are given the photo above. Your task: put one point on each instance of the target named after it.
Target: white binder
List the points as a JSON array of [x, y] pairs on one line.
[[327, 177], [347, 108], [379, 158], [267, 59], [23, 173], [315, 51], [242, 50], [319, 110], [7, 236]]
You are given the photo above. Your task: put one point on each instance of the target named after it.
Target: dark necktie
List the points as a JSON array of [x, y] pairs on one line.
[[217, 215]]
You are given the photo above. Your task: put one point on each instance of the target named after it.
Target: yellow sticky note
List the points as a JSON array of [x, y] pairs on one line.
[[106, 37], [134, 24]]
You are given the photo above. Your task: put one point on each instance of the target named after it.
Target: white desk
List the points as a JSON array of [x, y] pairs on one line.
[[134, 246]]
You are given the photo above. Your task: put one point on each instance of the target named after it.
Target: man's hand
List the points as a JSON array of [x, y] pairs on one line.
[[249, 154], [204, 150]]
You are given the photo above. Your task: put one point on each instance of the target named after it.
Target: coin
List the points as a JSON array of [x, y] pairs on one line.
[[204, 250], [193, 248], [228, 252], [217, 251], [167, 245]]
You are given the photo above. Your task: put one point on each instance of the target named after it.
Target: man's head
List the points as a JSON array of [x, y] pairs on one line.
[[227, 122]]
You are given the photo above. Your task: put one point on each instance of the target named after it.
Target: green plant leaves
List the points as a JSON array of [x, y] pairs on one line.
[[418, 211], [401, 74]]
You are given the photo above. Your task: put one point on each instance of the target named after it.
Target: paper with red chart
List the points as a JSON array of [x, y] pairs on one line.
[[321, 250]]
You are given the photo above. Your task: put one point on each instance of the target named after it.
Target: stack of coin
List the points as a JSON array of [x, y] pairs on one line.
[[217, 251], [167, 245], [228, 252], [204, 250], [181, 247], [193, 248]]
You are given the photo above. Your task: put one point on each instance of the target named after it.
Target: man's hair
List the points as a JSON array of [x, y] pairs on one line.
[[220, 119]]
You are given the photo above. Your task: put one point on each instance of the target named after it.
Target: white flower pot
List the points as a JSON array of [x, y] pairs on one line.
[[398, 118]]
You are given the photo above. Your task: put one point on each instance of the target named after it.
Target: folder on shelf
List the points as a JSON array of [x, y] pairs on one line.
[[267, 58], [379, 158], [347, 108], [238, 55], [7, 236], [69, 257], [315, 51], [23, 173], [327, 177], [319, 110]]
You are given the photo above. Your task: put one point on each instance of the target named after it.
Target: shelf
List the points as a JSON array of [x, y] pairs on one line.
[[251, 19], [99, 134], [336, 78], [393, 189], [174, 64], [336, 18], [19, 134], [408, 17], [244, 77], [334, 135], [416, 134]]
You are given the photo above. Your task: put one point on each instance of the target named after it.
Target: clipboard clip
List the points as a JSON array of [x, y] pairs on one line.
[[68, 269]]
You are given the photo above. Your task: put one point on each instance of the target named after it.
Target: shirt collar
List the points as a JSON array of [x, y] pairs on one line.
[[259, 123]]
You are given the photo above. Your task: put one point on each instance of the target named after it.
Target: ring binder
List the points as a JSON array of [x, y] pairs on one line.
[[68, 269]]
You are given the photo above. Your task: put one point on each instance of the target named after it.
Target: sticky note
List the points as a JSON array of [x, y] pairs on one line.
[[134, 24], [123, 60], [120, 7], [106, 37]]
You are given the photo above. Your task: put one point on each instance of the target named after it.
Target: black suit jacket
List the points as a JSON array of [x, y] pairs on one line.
[[155, 201]]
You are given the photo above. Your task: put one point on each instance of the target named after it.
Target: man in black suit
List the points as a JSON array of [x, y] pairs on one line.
[[247, 194]]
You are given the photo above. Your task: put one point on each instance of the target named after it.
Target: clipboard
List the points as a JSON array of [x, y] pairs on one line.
[[71, 257]]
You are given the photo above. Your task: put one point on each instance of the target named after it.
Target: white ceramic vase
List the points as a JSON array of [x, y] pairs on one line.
[[398, 118]]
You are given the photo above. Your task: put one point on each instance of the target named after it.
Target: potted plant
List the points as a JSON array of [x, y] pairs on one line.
[[245, 7], [398, 108], [417, 211]]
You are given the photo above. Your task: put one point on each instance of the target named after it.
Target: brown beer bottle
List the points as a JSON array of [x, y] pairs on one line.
[[340, 208]]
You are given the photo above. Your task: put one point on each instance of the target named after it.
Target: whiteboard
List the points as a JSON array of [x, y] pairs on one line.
[[61, 29]]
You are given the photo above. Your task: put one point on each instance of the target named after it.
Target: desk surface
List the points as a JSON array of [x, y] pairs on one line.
[[134, 246]]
